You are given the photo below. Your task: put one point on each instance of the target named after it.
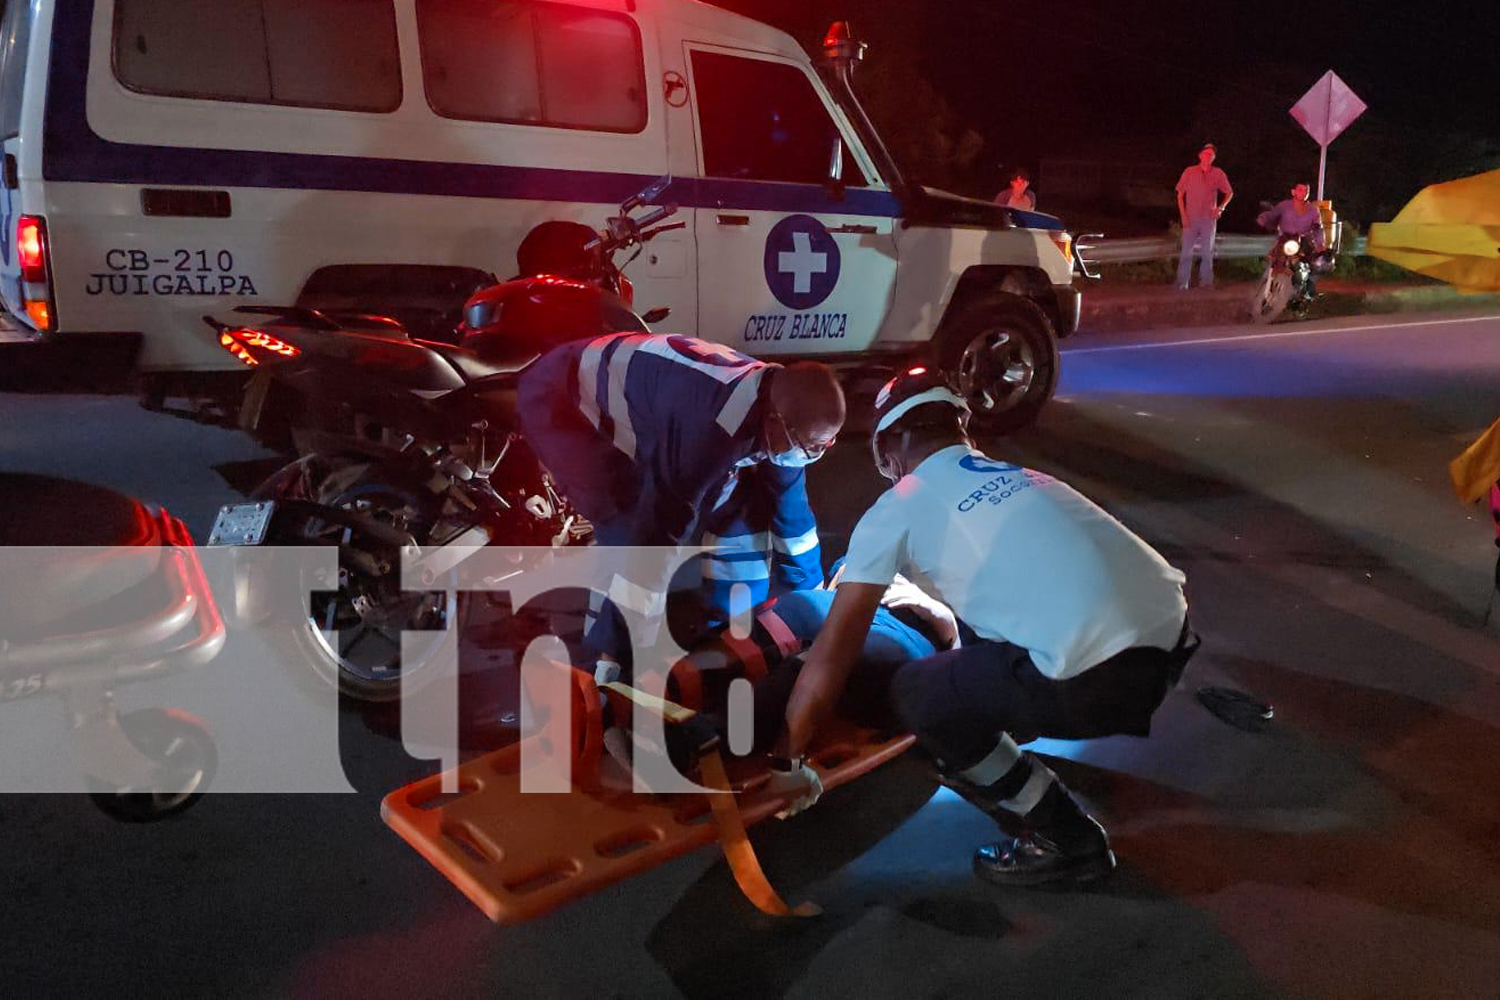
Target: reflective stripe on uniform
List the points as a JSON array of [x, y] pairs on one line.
[[633, 597], [588, 379], [1031, 793], [800, 545], [738, 570], [737, 408], [618, 405], [726, 545], [996, 765]]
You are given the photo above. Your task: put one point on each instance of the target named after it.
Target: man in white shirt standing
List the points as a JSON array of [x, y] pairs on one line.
[[1074, 628], [1198, 206]]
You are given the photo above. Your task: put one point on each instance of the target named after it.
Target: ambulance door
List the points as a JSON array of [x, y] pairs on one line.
[[788, 264]]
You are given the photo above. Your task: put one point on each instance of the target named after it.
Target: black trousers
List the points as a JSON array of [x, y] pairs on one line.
[[958, 703]]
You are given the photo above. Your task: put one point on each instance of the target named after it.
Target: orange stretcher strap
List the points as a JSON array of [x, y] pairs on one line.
[[743, 863], [748, 874]]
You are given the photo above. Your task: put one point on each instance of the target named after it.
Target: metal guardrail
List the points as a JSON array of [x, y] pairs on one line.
[[1097, 250]]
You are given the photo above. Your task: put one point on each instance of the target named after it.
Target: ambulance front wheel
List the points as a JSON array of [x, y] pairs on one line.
[[1001, 350]]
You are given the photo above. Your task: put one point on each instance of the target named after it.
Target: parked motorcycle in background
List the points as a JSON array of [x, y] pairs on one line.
[[410, 443]]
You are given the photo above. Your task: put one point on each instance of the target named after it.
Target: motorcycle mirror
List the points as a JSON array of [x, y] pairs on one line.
[[647, 195], [655, 316]]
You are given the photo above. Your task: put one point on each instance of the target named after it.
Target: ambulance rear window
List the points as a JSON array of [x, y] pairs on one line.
[[764, 121], [337, 54], [532, 63], [15, 35]]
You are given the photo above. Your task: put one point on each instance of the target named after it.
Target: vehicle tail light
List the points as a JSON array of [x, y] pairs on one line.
[[239, 342], [227, 341], [31, 249], [36, 282]]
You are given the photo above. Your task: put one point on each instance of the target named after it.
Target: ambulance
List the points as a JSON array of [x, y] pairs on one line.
[[167, 159]]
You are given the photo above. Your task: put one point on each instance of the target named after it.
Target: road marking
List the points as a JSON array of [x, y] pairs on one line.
[[1282, 334]]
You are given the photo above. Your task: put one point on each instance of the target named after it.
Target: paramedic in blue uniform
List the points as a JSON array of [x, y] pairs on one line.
[[664, 440], [1073, 627]]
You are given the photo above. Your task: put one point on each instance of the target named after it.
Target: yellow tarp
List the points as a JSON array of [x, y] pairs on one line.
[[1478, 467], [1449, 231]]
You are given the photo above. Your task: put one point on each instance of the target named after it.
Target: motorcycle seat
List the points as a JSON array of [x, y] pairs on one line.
[[474, 368], [66, 547]]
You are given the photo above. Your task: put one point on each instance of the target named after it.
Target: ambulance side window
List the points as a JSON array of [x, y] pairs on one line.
[[320, 55], [532, 63], [764, 121], [15, 36]]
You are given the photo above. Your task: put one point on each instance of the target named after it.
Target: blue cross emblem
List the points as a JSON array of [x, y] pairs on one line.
[[802, 262]]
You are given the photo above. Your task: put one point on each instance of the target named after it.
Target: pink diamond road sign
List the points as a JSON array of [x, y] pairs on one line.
[[1325, 111], [1328, 108]]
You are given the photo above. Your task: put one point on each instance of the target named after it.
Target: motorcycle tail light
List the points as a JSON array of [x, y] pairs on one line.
[[237, 342], [1291, 248], [227, 341]]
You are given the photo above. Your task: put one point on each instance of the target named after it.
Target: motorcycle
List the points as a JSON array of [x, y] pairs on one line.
[[1288, 278], [408, 442], [101, 590]]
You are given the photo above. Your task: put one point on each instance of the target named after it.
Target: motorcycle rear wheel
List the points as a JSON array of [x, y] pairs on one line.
[[350, 630]]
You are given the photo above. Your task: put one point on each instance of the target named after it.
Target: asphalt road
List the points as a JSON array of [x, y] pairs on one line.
[[1297, 475]]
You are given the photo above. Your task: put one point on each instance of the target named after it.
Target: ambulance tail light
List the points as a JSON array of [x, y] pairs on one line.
[[31, 247], [36, 284]]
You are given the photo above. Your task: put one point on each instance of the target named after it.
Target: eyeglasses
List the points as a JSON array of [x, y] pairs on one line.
[[811, 452]]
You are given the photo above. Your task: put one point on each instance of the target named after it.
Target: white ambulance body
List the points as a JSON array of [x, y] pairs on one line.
[[164, 159]]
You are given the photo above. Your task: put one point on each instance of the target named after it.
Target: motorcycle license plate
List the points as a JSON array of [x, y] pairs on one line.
[[242, 523]]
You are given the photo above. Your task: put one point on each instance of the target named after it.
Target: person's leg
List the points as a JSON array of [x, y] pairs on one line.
[[1185, 259], [1207, 232], [964, 706], [791, 623]]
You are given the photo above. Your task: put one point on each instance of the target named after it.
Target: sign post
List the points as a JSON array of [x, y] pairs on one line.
[[1325, 111]]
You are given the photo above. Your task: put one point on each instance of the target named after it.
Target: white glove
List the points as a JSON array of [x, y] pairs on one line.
[[799, 785], [902, 593]]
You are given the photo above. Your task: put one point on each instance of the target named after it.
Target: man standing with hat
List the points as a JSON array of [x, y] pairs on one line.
[[1199, 207]]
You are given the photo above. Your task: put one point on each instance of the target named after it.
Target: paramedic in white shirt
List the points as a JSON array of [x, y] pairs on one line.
[[1073, 627]]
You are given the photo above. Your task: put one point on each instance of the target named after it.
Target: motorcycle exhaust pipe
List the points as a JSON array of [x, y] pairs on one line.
[[435, 563]]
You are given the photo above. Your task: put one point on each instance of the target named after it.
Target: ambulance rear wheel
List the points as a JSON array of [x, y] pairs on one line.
[[1002, 351]]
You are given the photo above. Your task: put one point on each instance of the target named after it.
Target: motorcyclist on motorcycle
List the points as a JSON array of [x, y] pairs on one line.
[[1296, 217]]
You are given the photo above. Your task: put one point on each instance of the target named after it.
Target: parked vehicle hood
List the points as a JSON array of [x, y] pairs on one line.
[[934, 207]]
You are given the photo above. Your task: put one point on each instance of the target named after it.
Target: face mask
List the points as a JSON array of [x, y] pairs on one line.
[[794, 459]]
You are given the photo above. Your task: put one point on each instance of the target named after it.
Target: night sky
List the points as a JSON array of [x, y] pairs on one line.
[[1153, 78]]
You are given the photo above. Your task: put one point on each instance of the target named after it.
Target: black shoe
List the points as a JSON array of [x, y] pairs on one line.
[[1036, 859]]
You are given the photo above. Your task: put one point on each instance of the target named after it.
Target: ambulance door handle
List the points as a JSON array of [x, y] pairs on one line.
[[734, 220], [856, 230]]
